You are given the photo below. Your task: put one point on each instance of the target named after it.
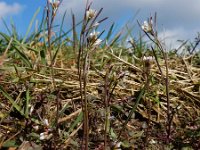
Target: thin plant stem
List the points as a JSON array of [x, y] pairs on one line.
[[147, 68], [157, 42], [85, 74], [49, 26], [106, 96], [166, 79], [83, 82]]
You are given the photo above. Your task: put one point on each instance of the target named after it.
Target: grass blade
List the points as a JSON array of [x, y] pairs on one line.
[[27, 103], [7, 28], [78, 119], [17, 107], [30, 25]]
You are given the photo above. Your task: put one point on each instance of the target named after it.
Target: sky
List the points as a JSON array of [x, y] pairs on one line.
[[177, 19]]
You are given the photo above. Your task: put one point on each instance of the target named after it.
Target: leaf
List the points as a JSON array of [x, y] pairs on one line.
[[110, 32], [23, 57], [125, 144], [112, 134], [10, 143], [78, 119], [7, 28], [17, 107], [27, 103]]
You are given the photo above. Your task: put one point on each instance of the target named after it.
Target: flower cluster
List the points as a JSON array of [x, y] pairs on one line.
[[148, 58], [93, 39], [147, 26], [47, 134]]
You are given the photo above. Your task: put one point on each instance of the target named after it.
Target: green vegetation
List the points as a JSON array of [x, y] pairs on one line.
[[97, 89]]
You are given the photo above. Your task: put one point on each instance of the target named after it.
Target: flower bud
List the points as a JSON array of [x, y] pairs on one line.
[[90, 14]]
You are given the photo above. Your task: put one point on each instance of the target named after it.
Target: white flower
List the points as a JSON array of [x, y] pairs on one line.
[[97, 42], [117, 145], [93, 38], [152, 141], [179, 107], [90, 14], [46, 122], [147, 27], [96, 24], [31, 109], [36, 127], [54, 3], [45, 136], [148, 58]]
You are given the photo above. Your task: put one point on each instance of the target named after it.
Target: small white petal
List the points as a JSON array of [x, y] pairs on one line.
[[31, 110], [148, 58], [179, 107], [50, 1], [45, 136], [96, 24], [46, 122], [97, 42], [118, 145], [90, 14], [36, 127], [152, 141], [93, 36], [144, 125], [146, 27]]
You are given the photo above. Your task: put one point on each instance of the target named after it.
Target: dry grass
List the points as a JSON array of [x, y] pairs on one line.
[[184, 101]]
